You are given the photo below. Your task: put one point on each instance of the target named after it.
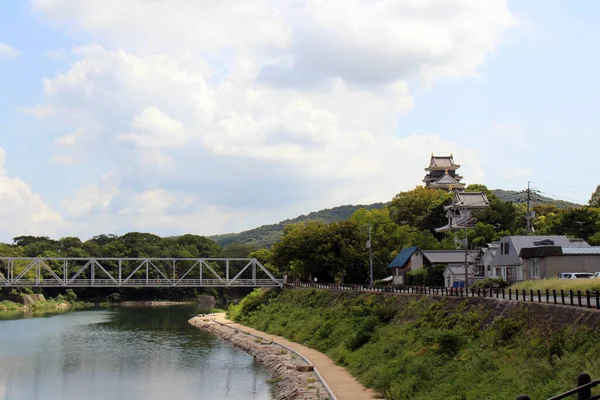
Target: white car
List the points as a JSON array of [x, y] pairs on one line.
[[576, 275]]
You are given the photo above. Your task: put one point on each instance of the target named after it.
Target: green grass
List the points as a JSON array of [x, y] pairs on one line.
[[428, 349], [558, 284]]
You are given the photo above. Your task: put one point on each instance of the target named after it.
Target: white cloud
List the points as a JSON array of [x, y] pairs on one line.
[[154, 128], [23, 212], [93, 199], [257, 106], [68, 140], [7, 51]]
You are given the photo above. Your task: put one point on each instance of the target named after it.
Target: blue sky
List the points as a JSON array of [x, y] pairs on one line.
[[176, 117]]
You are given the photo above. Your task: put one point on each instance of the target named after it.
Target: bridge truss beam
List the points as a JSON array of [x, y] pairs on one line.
[[134, 272]]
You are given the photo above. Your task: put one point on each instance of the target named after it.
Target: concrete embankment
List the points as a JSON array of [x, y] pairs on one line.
[[295, 375]]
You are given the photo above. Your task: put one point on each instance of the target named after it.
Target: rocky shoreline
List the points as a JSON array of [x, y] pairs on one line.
[[294, 378]]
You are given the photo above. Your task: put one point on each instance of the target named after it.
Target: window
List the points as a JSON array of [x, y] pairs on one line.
[[534, 270], [506, 247]]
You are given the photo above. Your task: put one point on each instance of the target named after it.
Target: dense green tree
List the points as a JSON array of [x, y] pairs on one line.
[[579, 222], [420, 208], [595, 199]]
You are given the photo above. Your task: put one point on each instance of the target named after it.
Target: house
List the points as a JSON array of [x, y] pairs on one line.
[[507, 263], [454, 260], [413, 258], [409, 259], [454, 276], [441, 174], [459, 212], [548, 260], [487, 256]]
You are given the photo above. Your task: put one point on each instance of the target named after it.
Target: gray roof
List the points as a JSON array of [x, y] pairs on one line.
[[446, 180], [459, 270], [449, 256], [545, 251], [471, 200], [578, 242], [578, 250], [529, 241], [442, 161]]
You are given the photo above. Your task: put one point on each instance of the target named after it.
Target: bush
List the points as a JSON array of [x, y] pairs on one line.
[[70, 295], [489, 283], [416, 278]]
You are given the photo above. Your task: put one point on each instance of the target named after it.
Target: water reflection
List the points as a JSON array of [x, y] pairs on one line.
[[130, 353]]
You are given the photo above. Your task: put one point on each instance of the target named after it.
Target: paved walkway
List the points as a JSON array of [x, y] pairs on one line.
[[343, 385]]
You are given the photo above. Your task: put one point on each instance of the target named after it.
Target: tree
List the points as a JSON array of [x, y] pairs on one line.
[[420, 208], [595, 199]]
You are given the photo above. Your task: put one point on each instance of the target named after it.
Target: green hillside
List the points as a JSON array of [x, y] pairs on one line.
[[267, 235]]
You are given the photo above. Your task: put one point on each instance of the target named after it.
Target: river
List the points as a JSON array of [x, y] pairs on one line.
[[127, 353]]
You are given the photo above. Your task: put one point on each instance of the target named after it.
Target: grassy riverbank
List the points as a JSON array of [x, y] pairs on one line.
[[409, 347], [559, 284]]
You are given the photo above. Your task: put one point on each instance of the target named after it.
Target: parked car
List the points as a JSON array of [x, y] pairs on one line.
[[575, 275], [596, 274]]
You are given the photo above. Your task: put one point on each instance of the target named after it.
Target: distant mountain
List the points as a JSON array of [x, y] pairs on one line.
[[267, 235], [521, 197]]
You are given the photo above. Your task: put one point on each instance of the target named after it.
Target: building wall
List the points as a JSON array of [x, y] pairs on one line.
[[416, 261], [571, 263]]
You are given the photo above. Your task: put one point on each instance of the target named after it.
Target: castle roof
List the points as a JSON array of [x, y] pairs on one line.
[[442, 162]]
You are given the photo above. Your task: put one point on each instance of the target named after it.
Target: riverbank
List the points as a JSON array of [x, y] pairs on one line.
[[293, 376], [421, 347], [45, 305]]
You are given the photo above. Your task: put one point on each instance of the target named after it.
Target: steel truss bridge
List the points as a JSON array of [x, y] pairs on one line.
[[135, 272]]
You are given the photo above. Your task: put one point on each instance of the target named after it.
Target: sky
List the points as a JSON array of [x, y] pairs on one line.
[[189, 116]]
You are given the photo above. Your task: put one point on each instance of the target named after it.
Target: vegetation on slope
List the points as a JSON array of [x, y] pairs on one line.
[[410, 347], [267, 235]]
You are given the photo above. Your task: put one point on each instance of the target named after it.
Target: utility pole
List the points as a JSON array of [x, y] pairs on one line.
[[466, 256], [370, 257], [528, 208]]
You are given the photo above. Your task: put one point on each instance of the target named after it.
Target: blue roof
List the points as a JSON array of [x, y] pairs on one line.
[[403, 257]]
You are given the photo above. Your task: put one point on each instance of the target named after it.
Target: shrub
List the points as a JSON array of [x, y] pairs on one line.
[[416, 278], [70, 295], [488, 283]]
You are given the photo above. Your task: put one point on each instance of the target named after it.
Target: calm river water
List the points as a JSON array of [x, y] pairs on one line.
[[130, 353]]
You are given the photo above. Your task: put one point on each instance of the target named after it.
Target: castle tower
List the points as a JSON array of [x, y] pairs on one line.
[[441, 174]]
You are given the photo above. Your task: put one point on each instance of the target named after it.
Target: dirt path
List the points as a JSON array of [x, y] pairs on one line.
[[343, 385]]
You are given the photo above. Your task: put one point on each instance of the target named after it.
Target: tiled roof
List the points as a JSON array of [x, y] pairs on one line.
[[446, 180], [471, 200], [449, 256], [442, 161], [578, 250], [460, 270]]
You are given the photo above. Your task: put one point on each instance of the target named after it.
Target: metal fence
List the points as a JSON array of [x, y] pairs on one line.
[[576, 298]]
